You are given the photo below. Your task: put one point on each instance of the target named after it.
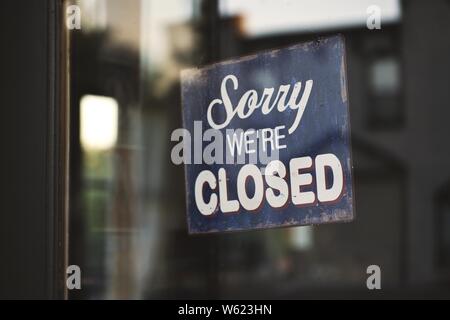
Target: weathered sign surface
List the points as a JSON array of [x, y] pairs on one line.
[[267, 140]]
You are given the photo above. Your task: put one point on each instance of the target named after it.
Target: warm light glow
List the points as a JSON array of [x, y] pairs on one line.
[[98, 121]]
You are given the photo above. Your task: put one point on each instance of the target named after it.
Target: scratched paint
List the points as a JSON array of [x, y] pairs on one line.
[[324, 129]]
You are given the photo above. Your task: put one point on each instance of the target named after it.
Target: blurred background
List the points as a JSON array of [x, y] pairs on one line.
[[128, 229]]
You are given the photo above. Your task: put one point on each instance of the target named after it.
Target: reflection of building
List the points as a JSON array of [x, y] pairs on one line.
[[397, 97], [398, 79], [339, 251], [102, 183]]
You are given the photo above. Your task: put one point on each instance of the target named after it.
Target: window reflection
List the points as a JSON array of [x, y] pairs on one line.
[[127, 215], [304, 16]]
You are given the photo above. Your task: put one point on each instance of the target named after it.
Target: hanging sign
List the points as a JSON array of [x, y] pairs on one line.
[[266, 140]]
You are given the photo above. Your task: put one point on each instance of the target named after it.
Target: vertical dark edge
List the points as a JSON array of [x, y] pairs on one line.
[[50, 168], [28, 212], [183, 83], [57, 153], [349, 134], [404, 255]]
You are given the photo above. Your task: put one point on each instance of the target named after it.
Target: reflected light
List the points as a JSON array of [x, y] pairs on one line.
[[302, 238], [98, 121], [266, 17], [385, 76]]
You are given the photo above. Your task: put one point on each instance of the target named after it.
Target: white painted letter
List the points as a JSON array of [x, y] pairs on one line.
[[225, 101], [276, 182], [333, 193], [301, 179], [205, 209], [250, 171], [226, 205]]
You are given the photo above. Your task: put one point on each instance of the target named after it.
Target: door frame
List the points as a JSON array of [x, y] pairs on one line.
[[33, 219]]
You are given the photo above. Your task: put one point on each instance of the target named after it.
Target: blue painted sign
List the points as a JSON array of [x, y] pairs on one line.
[[266, 140]]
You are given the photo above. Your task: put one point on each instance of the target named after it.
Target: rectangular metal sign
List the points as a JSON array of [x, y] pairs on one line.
[[266, 140]]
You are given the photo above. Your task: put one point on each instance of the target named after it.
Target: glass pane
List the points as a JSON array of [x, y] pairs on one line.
[[128, 230]]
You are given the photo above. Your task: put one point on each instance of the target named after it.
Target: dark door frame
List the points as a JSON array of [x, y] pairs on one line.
[[33, 212]]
